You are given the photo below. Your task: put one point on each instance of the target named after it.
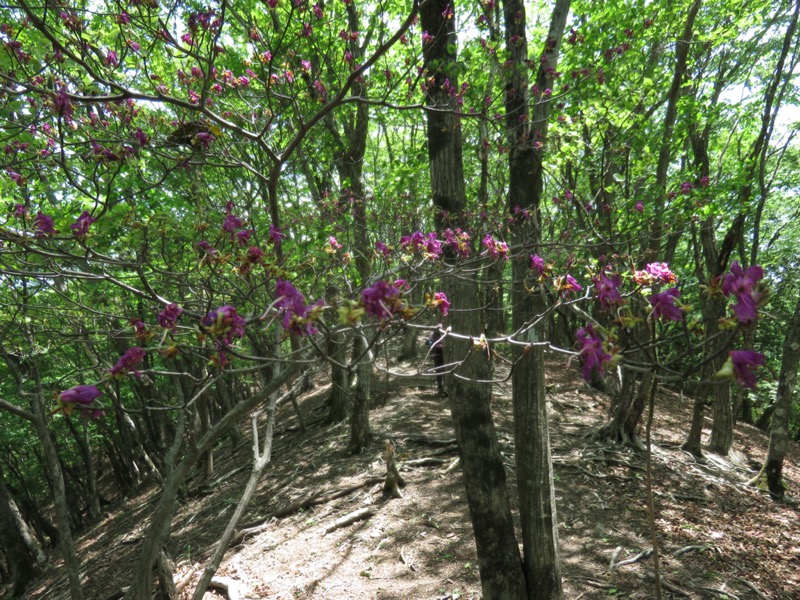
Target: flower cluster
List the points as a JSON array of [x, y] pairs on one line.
[[382, 300], [458, 240], [565, 284], [743, 284], [655, 273], [168, 318], [607, 288], [664, 305], [592, 353], [80, 228], [297, 317], [127, 363], [81, 397], [740, 365], [428, 244], [496, 249], [223, 325]]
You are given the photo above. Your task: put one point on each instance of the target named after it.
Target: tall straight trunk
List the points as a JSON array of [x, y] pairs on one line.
[[470, 401], [527, 142], [772, 469]]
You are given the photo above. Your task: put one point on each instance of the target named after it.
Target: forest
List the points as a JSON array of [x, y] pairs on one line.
[[224, 224]]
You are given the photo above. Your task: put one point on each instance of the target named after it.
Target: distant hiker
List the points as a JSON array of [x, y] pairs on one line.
[[436, 344]]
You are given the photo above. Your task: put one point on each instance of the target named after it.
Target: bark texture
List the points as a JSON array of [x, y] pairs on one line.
[[527, 143], [484, 474]]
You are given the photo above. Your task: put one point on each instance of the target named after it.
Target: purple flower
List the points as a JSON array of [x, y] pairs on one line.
[[592, 354], [566, 284], [44, 225], [140, 329], [141, 137], [382, 248], [743, 283], [458, 240], [639, 207], [112, 59], [127, 363], [333, 245], [204, 139], [382, 300], [207, 248], [81, 396], [20, 211], [495, 249], [275, 234], [254, 255], [223, 325], [442, 303], [168, 318], [231, 224], [744, 361], [607, 289], [62, 105], [664, 305], [243, 236], [80, 228], [295, 311], [661, 273]]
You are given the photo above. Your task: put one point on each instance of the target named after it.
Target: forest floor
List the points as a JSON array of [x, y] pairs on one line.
[[718, 538]]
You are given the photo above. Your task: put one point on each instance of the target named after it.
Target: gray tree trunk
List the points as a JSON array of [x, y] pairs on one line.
[[542, 569], [484, 474], [771, 472]]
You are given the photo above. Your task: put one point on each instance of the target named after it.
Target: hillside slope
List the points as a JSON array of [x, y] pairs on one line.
[[719, 538]]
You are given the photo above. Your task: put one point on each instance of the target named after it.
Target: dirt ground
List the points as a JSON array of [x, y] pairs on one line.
[[718, 538]]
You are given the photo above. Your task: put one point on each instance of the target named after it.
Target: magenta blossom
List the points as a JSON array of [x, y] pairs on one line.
[[607, 289], [80, 228], [664, 305], [44, 225], [80, 394], [296, 315], [231, 224], [639, 207], [743, 283], [496, 249], [661, 273], [566, 284], [538, 266], [82, 397], [275, 234], [243, 236], [441, 302], [168, 318], [223, 325], [458, 240], [592, 354], [382, 248], [382, 300], [744, 361], [127, 363], [20, 211]]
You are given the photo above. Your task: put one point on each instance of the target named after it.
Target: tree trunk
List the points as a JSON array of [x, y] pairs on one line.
[[484, 474], [542, 569], [62, 509], [19, 558], [360, 434], [771, 471]]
